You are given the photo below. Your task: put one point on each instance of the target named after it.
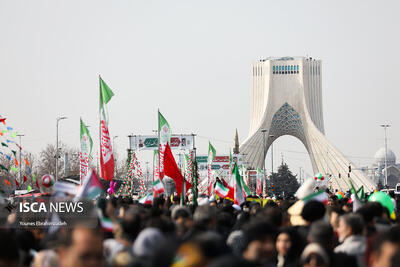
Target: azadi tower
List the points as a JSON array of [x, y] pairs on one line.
[[286, 99]]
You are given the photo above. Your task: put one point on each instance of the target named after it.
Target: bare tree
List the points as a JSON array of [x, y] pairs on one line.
[[47, 161]]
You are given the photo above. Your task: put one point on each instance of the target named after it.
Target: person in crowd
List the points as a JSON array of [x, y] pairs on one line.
[[259, 247], [321, 233], [81, 246], [314, 256], [312, 211], [385, 247], [9, 250], [182, 217], [350, 233], [289, 246], [125, 234]]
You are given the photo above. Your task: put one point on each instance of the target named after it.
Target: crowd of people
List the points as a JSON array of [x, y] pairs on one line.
[[282, 232]]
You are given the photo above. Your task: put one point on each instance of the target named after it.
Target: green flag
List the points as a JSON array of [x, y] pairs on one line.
[[86, 140], [86, 149], [211, 153], [4, 144], [105, 93], [105, 96], [360, 193], [164, 130], [33, 178]]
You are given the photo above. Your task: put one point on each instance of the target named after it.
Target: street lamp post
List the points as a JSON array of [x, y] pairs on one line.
[[58, 119], [20, 158], [272, 153], [264, 150], [385, 126]]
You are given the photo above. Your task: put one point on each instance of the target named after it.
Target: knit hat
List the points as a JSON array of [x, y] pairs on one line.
[[314, 248], [147, 241]]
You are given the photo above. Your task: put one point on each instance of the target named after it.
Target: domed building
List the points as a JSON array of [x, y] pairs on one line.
[[380, 157], [377, 171]]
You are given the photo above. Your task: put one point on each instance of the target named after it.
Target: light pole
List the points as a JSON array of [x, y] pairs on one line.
[[272, 153], [265, 178], [272, 159], [58, 119], [20, 158], [385, 126]]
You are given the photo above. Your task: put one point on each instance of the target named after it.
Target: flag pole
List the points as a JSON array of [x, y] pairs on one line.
[[99, 125], [159, 148], [194, 172]]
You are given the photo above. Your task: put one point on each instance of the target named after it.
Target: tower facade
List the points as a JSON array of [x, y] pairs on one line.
[[286, 99]]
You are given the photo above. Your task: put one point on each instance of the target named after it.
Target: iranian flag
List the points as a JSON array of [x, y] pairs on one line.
[[107, 224], [320, 196], [260, 176], [221, 190], [164, 137], [106, 155], [239, 196], [211, 156], [158, 187], [86, 149], [147, 199]]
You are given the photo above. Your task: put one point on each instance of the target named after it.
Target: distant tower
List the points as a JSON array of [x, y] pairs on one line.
[[236, 143], [286, 99]]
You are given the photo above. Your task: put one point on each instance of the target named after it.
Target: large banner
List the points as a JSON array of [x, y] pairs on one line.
[[150, 142], [219, 163]]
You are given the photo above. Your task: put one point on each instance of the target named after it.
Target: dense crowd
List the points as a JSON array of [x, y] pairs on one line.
[[283, 232]]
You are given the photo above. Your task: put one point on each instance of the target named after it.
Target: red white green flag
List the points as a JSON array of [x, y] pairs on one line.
[[107, 224], [211, 156], [239, 196], [147, 199], [158, 187], [164, 137], [221, 190], [320, 196], [86, 149], [106, 155]]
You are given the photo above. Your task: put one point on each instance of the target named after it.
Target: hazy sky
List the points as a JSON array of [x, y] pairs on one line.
[[192, 60]]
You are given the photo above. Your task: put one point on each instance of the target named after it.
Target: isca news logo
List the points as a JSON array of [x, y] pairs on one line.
[[60, 207]]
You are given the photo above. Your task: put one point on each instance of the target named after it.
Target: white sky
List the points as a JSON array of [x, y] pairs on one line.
[[192, 60]]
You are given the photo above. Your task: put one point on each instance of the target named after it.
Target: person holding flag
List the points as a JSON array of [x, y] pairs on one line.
[[106, 153]]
